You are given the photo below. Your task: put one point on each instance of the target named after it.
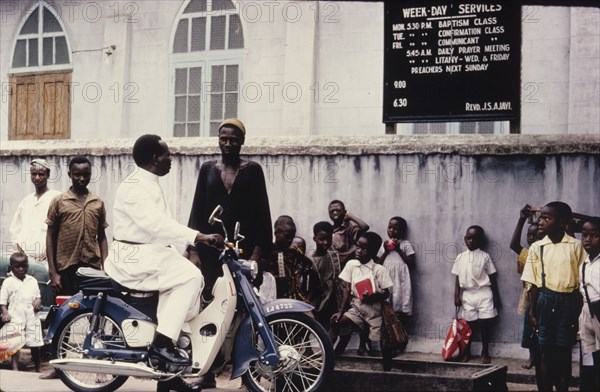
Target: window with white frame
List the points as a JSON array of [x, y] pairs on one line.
[[41, 41], [453, 128], [206, 58]]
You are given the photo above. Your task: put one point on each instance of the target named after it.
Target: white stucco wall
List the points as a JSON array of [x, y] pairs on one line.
[[331, 53], [560, 74], [349, 68]]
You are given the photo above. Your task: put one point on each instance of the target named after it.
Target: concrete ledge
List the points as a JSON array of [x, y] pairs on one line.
[[354, 373], [329, 145]]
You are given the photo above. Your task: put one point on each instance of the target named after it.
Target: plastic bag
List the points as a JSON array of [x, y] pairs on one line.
[[11, 340], [457, 339]]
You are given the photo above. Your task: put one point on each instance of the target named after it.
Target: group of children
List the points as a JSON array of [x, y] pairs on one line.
[[556, 300], [557, 296], [343, 278], [354, 277], [347, 277]]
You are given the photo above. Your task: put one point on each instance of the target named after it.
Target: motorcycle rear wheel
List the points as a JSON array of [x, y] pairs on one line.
[[68, 343], [308, 352]]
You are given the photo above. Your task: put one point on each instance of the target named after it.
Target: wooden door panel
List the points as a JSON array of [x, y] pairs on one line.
[[23, 120], [20, 124], [40, 106], [63, 107], [49, 106]]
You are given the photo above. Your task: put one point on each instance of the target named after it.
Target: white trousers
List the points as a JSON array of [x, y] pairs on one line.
[[589, 330], [159, 268]]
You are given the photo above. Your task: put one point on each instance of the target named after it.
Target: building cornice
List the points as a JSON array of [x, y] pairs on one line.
[[328, 145]]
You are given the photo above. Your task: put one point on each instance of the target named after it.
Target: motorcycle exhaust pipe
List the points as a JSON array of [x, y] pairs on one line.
[[106, 367]]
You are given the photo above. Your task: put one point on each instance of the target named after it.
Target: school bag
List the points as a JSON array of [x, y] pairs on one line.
[[457, 339], [393, 333]]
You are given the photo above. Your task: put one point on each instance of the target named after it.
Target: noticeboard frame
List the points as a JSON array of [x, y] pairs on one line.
[[441, 106]]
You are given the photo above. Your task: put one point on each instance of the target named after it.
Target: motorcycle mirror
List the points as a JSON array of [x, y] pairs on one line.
[[216, 214], [236, 232]]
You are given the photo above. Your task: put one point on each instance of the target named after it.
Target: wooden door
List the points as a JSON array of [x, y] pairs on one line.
[[40, 106]]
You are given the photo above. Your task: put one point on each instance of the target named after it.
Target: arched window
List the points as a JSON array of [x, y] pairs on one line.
[[206, 59], [40, 77], [41, 41]]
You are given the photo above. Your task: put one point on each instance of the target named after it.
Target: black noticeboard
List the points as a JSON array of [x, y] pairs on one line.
[[451, 61]]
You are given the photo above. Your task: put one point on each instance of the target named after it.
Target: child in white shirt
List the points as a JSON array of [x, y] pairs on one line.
[[475, 288], [368, 284], [20, 300]]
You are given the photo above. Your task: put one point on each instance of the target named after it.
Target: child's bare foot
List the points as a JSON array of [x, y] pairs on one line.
[[485, 359]]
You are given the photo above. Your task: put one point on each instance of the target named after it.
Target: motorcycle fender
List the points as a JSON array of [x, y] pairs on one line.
[[244, 352], [117, 308], [284, 305], [73, 305]]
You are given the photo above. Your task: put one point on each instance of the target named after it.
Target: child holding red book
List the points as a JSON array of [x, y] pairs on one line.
[[368, 284]]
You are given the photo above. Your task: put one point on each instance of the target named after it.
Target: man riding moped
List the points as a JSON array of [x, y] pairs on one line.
[[146, 253]]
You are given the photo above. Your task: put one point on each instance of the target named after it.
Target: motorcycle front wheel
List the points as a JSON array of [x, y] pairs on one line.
[[306, 356], [68, 343]]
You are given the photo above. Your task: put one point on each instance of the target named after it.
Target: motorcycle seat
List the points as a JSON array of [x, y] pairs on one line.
[[88, 272], [94, 279], [91, 280]]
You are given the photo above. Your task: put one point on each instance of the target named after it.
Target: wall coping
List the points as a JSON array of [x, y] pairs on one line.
[[328, 145]]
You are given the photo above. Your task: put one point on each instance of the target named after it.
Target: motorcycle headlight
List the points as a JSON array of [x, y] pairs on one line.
[[249, 268]]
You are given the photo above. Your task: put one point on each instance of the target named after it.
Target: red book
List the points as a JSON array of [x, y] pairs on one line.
[[364, 286]]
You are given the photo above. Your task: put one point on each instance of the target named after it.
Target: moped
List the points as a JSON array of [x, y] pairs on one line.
[[101, 336]]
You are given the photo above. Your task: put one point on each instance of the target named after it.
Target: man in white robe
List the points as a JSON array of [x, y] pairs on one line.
[[146, 253], [28, 226]]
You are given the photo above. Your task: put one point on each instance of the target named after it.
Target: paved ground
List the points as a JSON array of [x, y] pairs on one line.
[[27, 380]]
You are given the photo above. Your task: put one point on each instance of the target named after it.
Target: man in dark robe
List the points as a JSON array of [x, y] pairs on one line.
[[239, 186]]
